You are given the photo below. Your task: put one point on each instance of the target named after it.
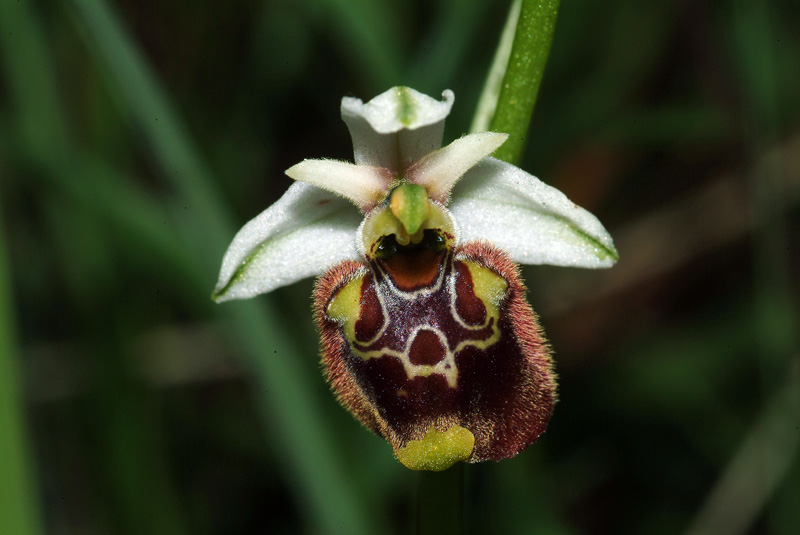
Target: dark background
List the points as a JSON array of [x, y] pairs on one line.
[[124, 176]]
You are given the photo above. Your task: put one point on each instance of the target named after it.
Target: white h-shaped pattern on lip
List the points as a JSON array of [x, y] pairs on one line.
[[447, 365]]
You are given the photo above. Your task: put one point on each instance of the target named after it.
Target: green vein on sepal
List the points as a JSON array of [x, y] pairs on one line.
[[241, 272], [407, 108], [604, 252]]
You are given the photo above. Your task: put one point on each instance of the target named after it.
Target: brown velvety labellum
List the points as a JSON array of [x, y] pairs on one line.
[[436, 339], [368, 325]]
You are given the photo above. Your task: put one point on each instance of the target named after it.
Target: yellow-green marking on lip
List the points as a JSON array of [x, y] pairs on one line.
[[438, 451]]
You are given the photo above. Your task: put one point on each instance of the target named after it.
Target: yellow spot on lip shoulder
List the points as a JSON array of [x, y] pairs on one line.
[[345, 307], [438, 451], [488, 286]]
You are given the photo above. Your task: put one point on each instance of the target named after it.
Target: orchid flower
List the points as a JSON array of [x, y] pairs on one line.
[[426, 334]]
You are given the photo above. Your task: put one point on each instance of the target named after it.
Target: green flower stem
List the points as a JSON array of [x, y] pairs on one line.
[[440, 502], [520, 86], [18, 502]]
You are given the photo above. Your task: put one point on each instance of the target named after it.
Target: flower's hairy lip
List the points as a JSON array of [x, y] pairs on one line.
[[431, 346]]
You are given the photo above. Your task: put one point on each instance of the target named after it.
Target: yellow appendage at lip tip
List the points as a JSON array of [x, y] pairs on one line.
[[438, 451]]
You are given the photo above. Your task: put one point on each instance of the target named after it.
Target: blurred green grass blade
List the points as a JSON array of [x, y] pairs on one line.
[[667, 126], [33, 91], [527, 485], [18, 494], [440, 501], [134, 455], [308, 446], [368, 30], [766, 457], [83, 178], [520, 87], [180, 161], [50, 155], [753, 40], [776, 310], [31, 87], [758, 468], [442, 51], [300, 434], [110, 196], [611, 79]]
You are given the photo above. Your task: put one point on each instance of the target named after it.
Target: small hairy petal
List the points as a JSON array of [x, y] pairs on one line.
[[306, 232], [531, 221], [396, 128], [439, 171], [364, 185]]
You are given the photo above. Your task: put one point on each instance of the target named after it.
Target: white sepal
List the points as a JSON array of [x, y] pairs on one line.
[[439, 171], [362, 184], [396, 128], [533, 222], [307, 231]]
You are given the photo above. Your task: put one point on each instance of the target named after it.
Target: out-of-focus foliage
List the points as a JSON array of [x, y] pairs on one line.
[[135, 140]]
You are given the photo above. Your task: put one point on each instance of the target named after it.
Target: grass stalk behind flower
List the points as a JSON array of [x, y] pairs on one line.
[[19, 508], [309, 454], [308, 445]]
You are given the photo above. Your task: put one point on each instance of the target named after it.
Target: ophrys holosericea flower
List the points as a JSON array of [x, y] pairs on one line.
[[427, 337]]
